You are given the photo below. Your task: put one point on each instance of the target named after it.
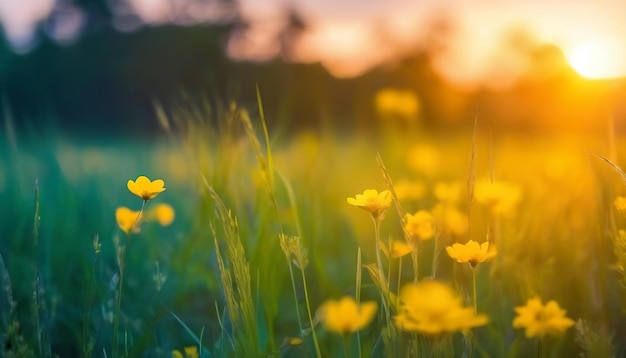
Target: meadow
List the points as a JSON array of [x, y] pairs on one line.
[[268, 243]]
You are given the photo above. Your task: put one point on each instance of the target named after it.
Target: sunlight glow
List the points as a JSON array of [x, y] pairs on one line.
[[597, 60]]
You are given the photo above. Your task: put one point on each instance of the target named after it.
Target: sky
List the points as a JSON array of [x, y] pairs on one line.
[[474, 41]]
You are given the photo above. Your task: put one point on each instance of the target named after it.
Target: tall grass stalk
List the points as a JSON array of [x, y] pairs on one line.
[[299, 254], [121, 258], [88, 341], [286, 246], [38, 290], [236, 279], [357, 290]]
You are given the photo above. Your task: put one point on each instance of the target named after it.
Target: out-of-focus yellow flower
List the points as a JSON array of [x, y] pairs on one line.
[[620, 203], [424, 158], [128, 219], [448, 193], [410, 190], [451, 219], [432, 308], [346, 316], [373, 201], [420, 225], [145, 188], [471, 252], [399, 248], [398, 103], [499, 197], [540, 320], [293, 341], [190, 352], [163, 213]]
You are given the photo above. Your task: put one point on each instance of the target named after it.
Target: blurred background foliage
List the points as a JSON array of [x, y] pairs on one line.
[[81, 117], [106, 81]]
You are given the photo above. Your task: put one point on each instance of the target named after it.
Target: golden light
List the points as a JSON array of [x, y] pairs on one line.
[[597, 60]]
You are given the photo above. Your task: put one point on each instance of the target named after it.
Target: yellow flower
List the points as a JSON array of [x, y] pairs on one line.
[[620, 203], [346, 316], [424, 158], [499, 197], [293, 341], [420, 225], [432, 308], [540, 320], [399, 248], [411, 190], [372, 201], [128, 219], [451, 219], [472, 252], [190, 352], [144, 188], [163, 213], [398, 103], [449, 193]]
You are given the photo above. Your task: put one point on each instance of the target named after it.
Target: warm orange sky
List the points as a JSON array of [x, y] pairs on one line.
[[352, 36]]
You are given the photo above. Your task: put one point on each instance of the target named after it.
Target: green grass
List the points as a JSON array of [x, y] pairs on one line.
[[237, 188]]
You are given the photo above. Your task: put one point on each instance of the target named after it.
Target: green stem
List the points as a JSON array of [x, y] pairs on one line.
[[358, 293], [471, 333], [295, 295], [474, 289], [308, 309], [116, 319], [381, 273], [399, 276], [345, 343], [415, 263], [86, 340]]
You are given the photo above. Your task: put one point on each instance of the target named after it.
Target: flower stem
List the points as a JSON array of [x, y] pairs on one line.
[[345, 342], [415, 263], [381, 271], [474, 290], [471, 333]]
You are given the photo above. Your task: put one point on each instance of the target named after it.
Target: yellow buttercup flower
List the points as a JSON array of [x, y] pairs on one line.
[[346, 316], [471, 252], [190, 352], [420, 226], [432, 308], [399, 248], [128, 219], [145, 188], [373, 201], [163, 213], [540, 320]]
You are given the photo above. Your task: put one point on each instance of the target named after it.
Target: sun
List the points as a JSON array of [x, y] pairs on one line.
[[597, 60]]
